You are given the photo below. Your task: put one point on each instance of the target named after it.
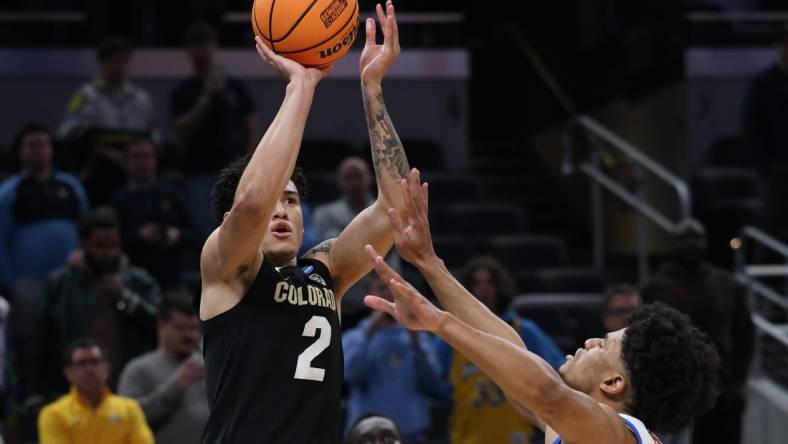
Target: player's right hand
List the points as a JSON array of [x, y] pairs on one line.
[[289, 69]]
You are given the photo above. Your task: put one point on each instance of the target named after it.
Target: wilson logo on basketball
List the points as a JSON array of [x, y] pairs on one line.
[[334, 10], [348, 39]]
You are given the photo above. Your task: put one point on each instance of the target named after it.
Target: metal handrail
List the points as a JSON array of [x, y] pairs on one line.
[[614, 141], [748, 275], [598, 133]]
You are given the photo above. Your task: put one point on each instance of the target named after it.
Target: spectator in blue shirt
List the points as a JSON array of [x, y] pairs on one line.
[[39, 208], [390, 370]]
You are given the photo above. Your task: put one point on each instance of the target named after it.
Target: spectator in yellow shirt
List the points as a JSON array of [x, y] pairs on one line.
[[90, 413]]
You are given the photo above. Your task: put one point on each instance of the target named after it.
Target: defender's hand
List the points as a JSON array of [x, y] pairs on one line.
[[413, 241], [410, 308]]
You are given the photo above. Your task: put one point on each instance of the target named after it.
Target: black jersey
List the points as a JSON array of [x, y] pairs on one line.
[[273, 363]]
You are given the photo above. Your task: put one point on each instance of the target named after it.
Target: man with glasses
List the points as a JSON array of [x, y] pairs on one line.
[[90, 413]]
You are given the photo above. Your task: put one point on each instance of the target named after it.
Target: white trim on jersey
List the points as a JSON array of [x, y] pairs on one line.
[[637, 427]]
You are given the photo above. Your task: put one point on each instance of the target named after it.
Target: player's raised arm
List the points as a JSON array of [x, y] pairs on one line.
[[524, 376], [344, 255], [236, 243], [414, 244]]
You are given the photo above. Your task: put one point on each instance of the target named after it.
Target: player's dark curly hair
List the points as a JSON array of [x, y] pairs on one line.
[[227, 183], [673, 368]]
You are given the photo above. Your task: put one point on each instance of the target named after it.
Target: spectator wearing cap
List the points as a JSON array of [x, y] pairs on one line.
[[101, 117], [213, 113], [39, 208], [97, 294]]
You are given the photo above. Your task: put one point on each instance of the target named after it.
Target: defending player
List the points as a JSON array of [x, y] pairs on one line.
[[659, 372]]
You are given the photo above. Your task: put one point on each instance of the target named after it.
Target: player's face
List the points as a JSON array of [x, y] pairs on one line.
[[88, 370], [179, 334], [596, 360], [286, 228], [375, 430], [35, 151]]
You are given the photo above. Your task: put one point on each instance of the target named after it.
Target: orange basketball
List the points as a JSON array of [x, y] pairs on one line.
[[314, 33]]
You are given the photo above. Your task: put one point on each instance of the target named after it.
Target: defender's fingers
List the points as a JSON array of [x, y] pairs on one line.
[[379, 304]]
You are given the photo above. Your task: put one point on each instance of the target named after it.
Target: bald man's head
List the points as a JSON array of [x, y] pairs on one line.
[[355, 180]]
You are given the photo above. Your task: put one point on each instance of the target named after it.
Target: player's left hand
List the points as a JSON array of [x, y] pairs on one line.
[[376, 59], [410, 308], [412, 230]]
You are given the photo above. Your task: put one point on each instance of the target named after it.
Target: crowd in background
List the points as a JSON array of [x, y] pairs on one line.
[[98, 255]]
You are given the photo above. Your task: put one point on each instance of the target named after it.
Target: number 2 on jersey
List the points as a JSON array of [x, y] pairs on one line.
[[304, 369]]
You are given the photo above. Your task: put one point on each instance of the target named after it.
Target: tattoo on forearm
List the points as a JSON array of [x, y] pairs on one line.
[[387, 152], [323, 247]]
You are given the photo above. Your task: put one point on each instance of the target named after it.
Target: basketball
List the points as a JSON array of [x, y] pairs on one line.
[[314, 33]]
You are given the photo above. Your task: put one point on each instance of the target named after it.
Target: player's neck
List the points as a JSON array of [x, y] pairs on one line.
[[282, 261], [618, 406]]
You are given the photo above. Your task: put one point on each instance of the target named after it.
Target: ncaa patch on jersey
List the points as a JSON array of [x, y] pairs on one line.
[[308, 269], [317, 278]]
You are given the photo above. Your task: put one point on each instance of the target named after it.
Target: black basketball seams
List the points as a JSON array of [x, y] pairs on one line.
[[342, 29], [270, 24], [257, 29], [256, 24], [293, 27]]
